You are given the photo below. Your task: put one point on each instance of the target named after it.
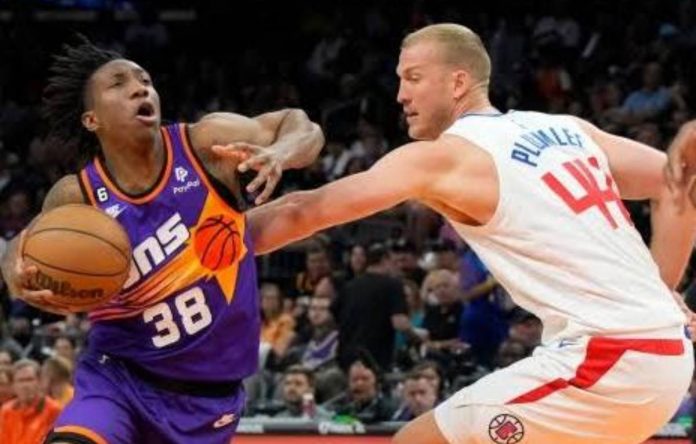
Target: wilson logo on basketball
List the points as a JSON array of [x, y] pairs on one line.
[[63, 288], [217, 242], [506, 429]]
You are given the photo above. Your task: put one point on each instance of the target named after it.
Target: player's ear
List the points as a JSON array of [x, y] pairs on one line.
[[462, 83], [90, 121]]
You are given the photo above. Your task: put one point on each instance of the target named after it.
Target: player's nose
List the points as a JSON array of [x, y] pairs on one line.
[[401, 96], [139, 91]]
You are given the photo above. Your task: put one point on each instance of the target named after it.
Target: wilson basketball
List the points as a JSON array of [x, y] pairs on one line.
[[217, 242], [83, 255]]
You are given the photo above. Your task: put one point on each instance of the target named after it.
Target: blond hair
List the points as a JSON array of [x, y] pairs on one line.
[[461, 47]]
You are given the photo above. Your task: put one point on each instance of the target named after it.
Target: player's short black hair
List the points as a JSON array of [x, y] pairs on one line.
[[65, 97]]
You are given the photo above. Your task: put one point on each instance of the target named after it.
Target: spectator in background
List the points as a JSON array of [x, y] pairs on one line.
[[6, 359], [28, 418], [277, 327], [323, 345], [369, 311], [416, 313], [321, 352], [317, 266], [442, 320], [406, 261], [17, 213], [418, 395], [56, 379], [650, 101], [364, 400], [482, 324], [65, 347], [526, 329], [357, 262], [7, 342], [510, 351], [446, 255], [298, 395], [432, 372], [6, 390]]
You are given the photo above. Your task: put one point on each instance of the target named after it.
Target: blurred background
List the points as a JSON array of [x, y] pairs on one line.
[[332, 306]]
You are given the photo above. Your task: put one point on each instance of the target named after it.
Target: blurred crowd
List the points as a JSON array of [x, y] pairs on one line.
[[380, 319]]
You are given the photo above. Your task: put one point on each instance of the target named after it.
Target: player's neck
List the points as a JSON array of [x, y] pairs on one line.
[[473, 103], [135, 167]]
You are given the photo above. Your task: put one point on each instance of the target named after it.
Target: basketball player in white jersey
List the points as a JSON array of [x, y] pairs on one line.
[[538, 197]]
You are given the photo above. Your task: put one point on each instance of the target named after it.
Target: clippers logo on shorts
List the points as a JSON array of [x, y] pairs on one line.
[[506, 429]]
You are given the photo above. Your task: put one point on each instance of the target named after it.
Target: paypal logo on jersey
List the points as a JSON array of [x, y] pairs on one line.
[[181, 173], [529, 146]]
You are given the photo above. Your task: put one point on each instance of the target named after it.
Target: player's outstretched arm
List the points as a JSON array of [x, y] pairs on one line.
[[404, 173], [639, 171], [16, 274], [681, 171], [636, 167], [269, 143]]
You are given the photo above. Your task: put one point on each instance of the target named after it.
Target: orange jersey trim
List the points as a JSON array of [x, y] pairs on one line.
[[158, 187], [188, 149], [87, 186], [84, 431]]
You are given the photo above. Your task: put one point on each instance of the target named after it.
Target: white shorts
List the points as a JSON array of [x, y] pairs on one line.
[[590, 391]]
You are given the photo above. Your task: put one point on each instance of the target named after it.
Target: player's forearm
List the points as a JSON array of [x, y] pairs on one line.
[[673, 236], [299, 138], [279, 223]]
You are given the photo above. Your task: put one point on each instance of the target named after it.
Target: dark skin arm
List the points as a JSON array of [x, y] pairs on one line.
[[17, 275], [269, 143]]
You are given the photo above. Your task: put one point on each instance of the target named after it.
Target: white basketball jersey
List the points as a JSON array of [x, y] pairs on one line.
[[560, 241]]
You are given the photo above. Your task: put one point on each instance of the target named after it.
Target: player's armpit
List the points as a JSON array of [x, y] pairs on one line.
[[402, 174]]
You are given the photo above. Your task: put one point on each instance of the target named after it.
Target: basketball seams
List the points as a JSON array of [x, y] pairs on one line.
[[211, 222], [66, 270], [204, 245], [233, 250], [210, 243], [82, 232]]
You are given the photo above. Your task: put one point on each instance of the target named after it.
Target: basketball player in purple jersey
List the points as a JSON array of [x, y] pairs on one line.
[[166, 357]]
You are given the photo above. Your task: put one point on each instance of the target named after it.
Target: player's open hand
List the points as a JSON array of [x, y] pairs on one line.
[[266, 161], [681, 168], [21, 280]]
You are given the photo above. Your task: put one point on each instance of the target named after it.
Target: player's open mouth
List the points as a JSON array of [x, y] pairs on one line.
[[146, 113]]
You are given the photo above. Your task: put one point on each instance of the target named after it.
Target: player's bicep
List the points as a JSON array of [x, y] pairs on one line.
[[221, 128], [65, 191], [636, 167]]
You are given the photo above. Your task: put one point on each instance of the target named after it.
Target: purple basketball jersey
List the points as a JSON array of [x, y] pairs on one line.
[[189, 309]]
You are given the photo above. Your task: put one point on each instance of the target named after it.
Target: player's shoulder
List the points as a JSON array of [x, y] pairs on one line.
[[65, 191], [218, 128]]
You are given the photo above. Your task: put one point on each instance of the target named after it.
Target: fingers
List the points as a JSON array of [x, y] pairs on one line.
[[272, 179], [240, 151], [43, 300], [256, 162]]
